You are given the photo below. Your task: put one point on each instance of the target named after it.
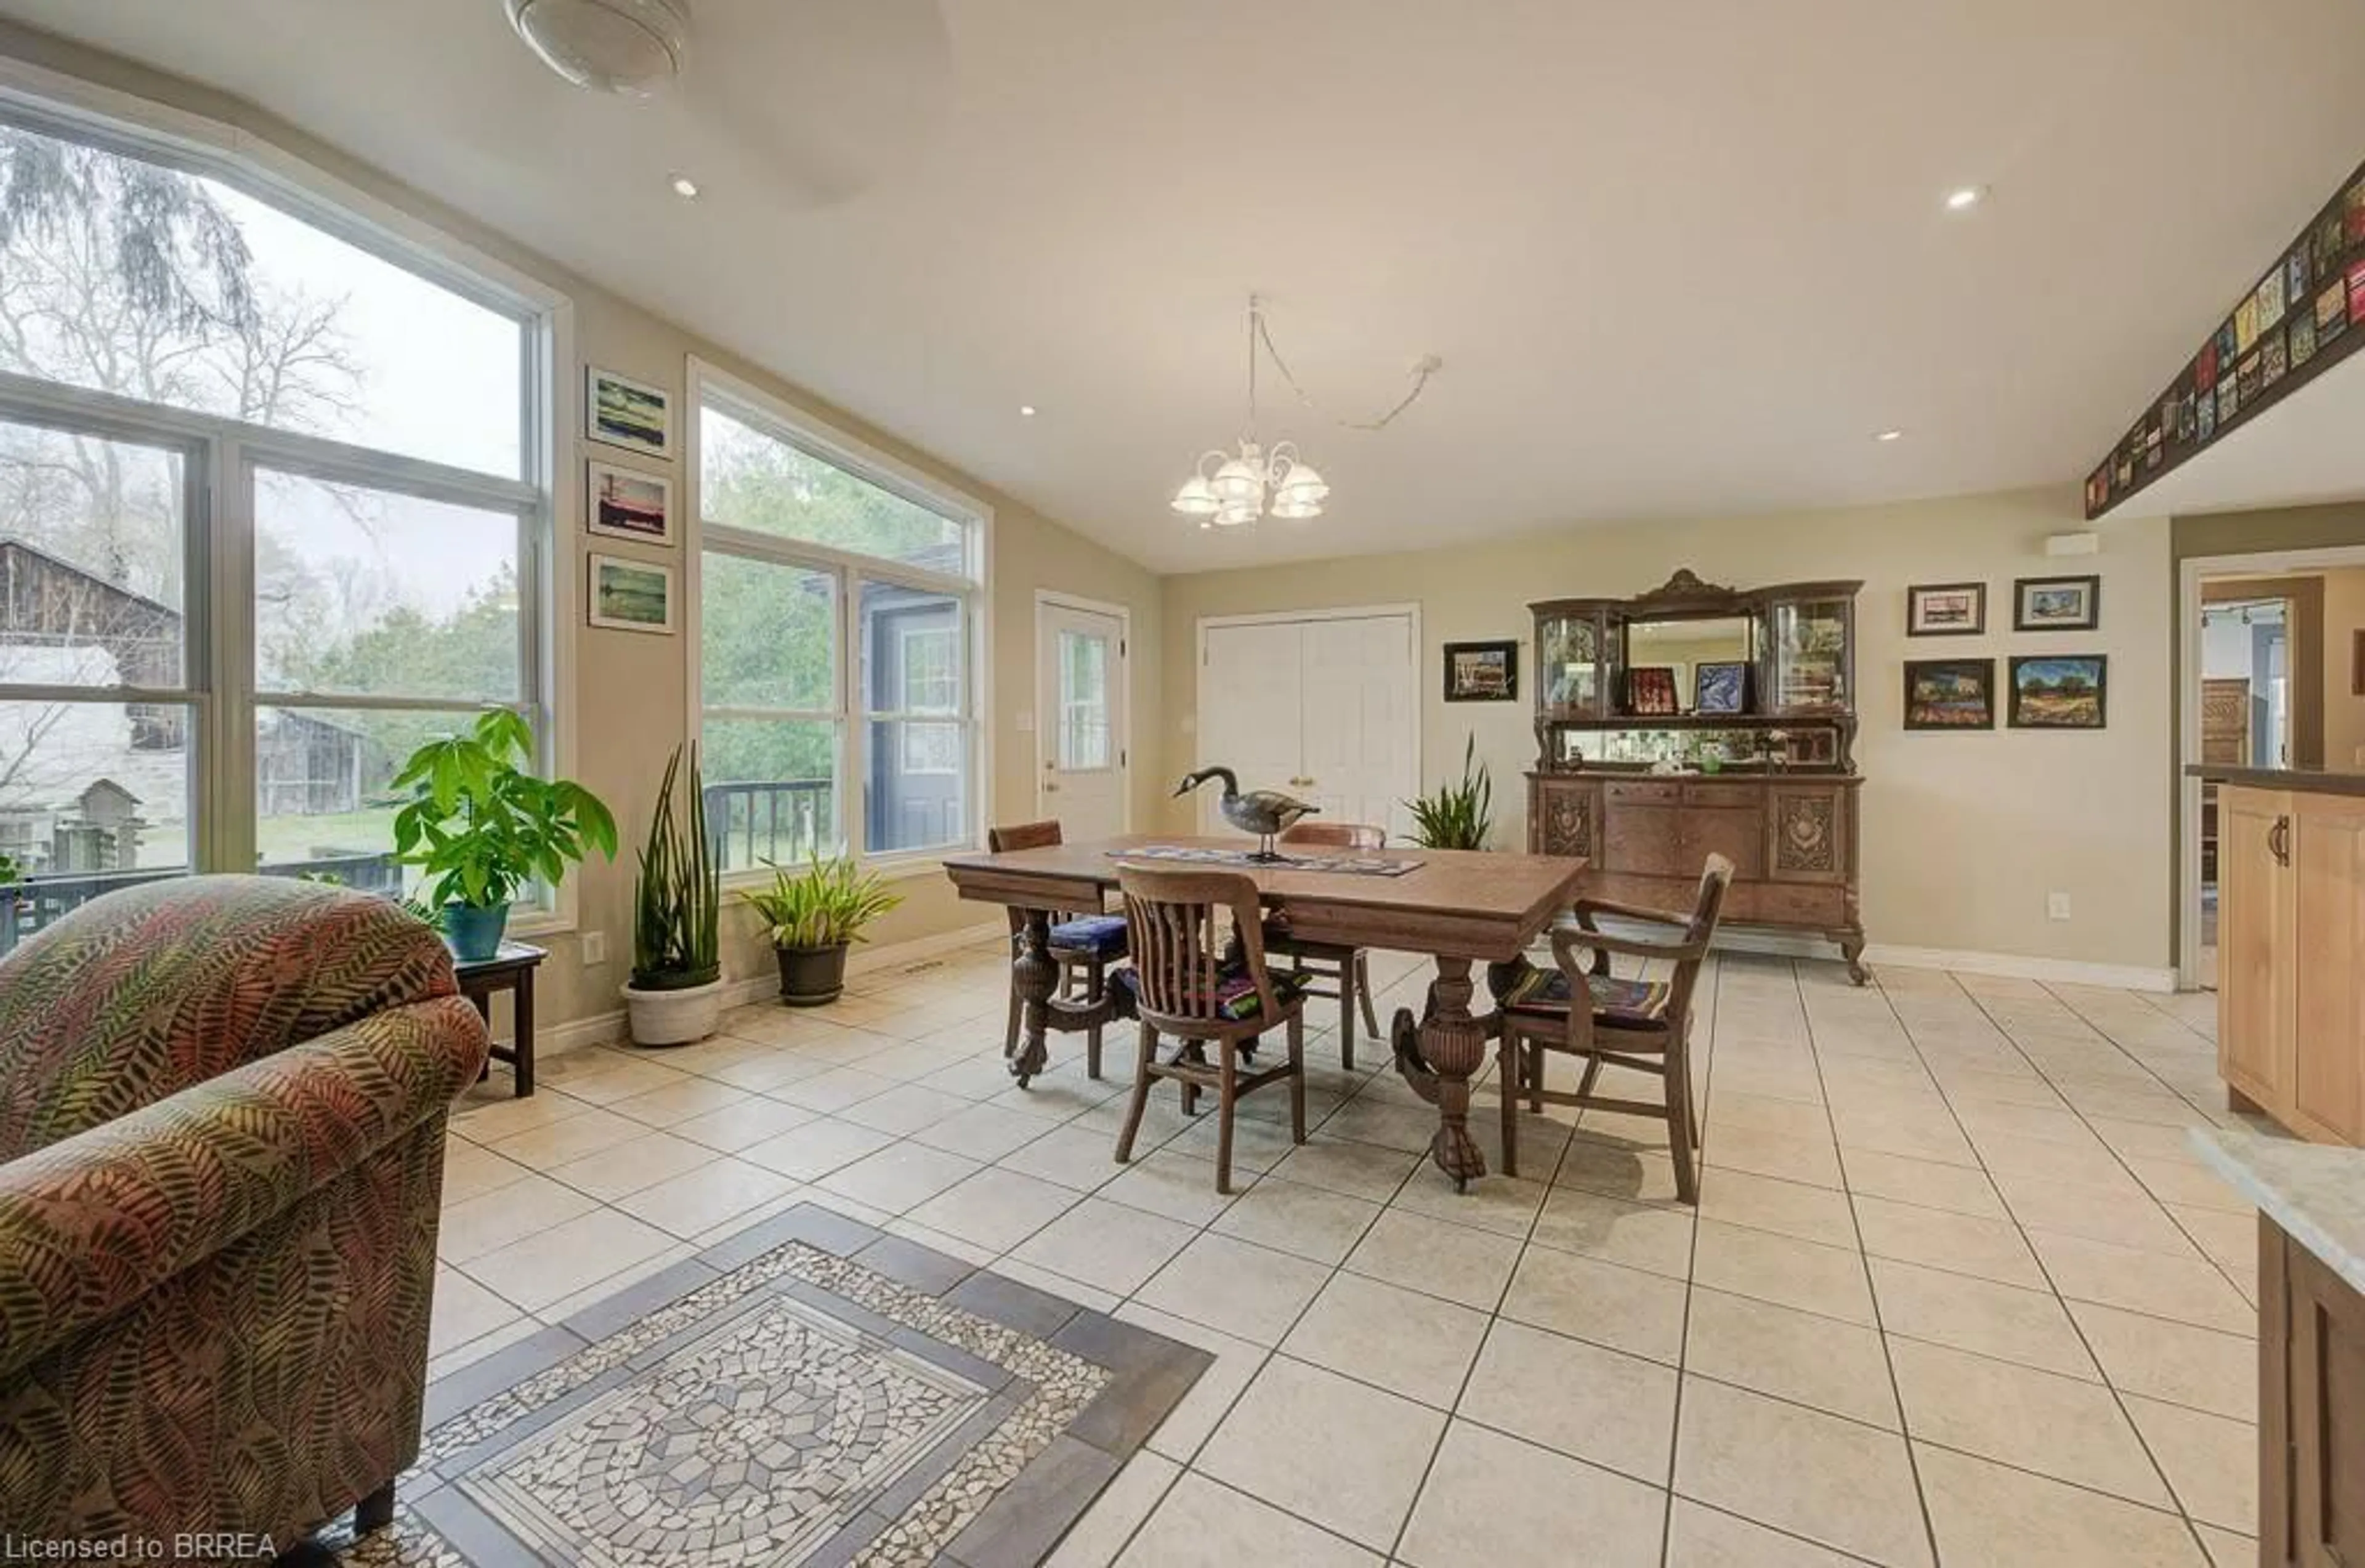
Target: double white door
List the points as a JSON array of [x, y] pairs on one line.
[[1322, 708]]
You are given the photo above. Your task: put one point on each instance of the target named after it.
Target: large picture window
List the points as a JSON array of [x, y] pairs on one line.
[[837, 618], [265, 522]]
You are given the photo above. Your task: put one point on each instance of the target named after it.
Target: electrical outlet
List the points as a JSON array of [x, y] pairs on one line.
[[2056, 906], [595, 947]]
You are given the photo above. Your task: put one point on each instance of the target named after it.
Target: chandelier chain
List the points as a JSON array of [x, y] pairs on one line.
[[1429, 366]]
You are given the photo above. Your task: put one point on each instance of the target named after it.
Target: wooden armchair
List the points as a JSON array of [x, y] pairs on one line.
[[1083, 946], [1342, 966], [1181, 984], [1583, 1010]]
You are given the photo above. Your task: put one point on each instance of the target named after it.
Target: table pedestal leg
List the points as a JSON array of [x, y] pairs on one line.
[[1438, 1056], [1032, 977]]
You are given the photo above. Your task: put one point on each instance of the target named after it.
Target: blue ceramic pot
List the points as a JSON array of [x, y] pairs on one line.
[[474, 931]]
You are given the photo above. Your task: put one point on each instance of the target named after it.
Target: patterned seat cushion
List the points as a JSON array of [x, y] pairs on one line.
[[1626, 1003], [1102, 936], [1235, 994]]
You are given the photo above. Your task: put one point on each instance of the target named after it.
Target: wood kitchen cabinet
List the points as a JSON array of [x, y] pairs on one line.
[[2311, 1409]]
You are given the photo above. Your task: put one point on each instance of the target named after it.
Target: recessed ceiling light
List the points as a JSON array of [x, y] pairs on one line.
[[684, 187], [1968, 197], [1888, 436], [1026, 411]]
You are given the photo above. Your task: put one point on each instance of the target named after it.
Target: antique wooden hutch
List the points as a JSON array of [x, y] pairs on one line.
[[1633, 775]]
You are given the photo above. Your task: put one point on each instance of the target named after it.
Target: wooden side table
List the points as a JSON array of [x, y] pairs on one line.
[[511, 969]]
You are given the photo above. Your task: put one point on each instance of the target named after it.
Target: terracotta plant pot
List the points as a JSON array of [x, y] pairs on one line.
[[812, 977]]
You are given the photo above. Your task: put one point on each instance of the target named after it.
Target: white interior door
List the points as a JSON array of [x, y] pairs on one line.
[[1251, 696], [1356, 760], [1079, 707]]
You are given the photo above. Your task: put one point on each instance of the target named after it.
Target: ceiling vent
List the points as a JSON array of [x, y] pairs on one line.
[[632, 47]]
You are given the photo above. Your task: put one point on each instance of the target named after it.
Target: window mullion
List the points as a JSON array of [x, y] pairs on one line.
[[227, 811]]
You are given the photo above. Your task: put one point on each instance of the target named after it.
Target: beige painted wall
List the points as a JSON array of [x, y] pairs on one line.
[[1964, 836], [629, 690], [2343, 710]]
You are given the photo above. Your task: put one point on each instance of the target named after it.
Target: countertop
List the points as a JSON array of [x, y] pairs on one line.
[[2308, 780], [2316, 1192]]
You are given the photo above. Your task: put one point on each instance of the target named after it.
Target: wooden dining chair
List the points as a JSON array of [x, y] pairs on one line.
[[1180, 984], [1342, 966], [1645, 1024], [1083, 945]]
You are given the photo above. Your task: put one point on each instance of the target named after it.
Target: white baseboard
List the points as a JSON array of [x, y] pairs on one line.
[[606, 1029], [2005, 966]]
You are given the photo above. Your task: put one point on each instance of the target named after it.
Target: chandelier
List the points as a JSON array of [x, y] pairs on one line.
[[1229, 489]]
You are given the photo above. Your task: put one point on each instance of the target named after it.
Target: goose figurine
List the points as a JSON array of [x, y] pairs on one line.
[[1267, 813]]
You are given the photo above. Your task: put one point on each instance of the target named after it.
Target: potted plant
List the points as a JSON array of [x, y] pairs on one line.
[[480, 827], [675, 992], [1459, 816], [814, 916]]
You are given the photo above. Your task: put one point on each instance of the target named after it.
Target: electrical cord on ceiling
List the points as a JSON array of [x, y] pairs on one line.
[[1426, 366]]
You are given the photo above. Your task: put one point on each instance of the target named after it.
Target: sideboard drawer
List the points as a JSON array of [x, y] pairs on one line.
[[1640, 792]]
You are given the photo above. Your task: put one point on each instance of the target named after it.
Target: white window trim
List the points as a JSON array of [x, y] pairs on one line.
[[546, 491], [930, 636], [859, 457]]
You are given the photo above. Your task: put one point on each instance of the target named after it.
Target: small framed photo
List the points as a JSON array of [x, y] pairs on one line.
[[2056, 604], [622, 504], [1946, 610], [632, 596], [1719, 687], [1651, 689], [624, 412], [2053, 692], [1950, 694], [1482, 672]]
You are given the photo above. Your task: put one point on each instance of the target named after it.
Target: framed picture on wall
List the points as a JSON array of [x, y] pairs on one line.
[[1721, 687], [624, 412], [630, 596], [1482, 672], [622, 504], [2059, 693], [1946, 610], [1950, 694], [2056, 604], [1651, 689]]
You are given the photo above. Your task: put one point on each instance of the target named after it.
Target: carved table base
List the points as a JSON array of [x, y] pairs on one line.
[[1441, 1054], [1035, 978]]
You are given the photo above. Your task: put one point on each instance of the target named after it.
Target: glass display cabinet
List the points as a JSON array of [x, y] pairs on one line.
[[1694, 720]]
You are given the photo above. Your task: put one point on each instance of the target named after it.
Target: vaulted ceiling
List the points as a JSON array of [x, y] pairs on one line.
[[1679, 259]]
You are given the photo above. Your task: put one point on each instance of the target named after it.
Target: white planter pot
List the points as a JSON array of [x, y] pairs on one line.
[[673, 1017]]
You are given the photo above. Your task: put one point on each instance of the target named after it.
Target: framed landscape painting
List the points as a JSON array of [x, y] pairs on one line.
[[1950, 694], [2050, 692], [624, 412], [1482, 672], [630, 596], [1946, 610], [2056, 604], [622, 504]]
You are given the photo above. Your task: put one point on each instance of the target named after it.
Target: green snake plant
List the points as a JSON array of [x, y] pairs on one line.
[[677, 919], [1458, 816]]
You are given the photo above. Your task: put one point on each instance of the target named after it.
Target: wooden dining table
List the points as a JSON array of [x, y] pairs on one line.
[[1458, 907]]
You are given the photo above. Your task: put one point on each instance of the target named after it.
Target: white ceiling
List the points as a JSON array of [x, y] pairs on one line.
[[1680, 258]]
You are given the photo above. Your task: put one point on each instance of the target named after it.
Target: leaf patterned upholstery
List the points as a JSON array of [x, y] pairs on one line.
[[222, 1105]]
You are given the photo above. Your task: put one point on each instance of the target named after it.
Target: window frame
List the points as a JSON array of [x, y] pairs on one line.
[[220, 673], [850, 570]]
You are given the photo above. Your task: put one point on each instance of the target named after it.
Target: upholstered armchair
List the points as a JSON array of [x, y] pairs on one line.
[[222, 1108]]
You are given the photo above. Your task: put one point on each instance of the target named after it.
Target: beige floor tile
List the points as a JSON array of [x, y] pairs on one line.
[[1306, 1221], [1409, 1343], [2187, 1181], [2212, 1462], [2173, 1361], [1626, 1309], [631, 1274], [2228, 1240], [1256, 1146], [1493, 1502], [811, 1152], [834, 1091], [1600, 1405], [1834, 1366], [470, 1170], [1081, 1292], [1787, 1208], [2061, 1426], [1376, 1120], [2044, 1123], [1179, 1186], [980, 1132], [1619, 1170], [1507, 1205], [1987, 1516], [1073, 1157], [904, 1109], [554, 1263], [644, 1161], [478, 1225], [1923, 1184], [672, 1104], [1641, 1235], [564, 1141], [2030, 1328], [1347, 1457], [1236, 1287], [1203, 1524], [445, 1362], [1700, 1537], [742, 1125], [2187, 1290], [2085, 1164], [1832, 1481], [1106, 1244], [1984, 1248], [1359, 1170], [1732, 1110], [464, 1310], [1094, 1541], [696, 1201], [2228, 1549], [2122, 1215], [898, 1177], [1443, 1260], [1814, 1162], [995, 1208], [1783, 1269], [602, 1077]]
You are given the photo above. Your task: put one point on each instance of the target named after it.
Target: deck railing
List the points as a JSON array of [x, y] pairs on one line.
[[43, 901], [784, 821]]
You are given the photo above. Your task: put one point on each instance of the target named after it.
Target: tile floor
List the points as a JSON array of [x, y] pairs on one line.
[[1955, 1292]]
